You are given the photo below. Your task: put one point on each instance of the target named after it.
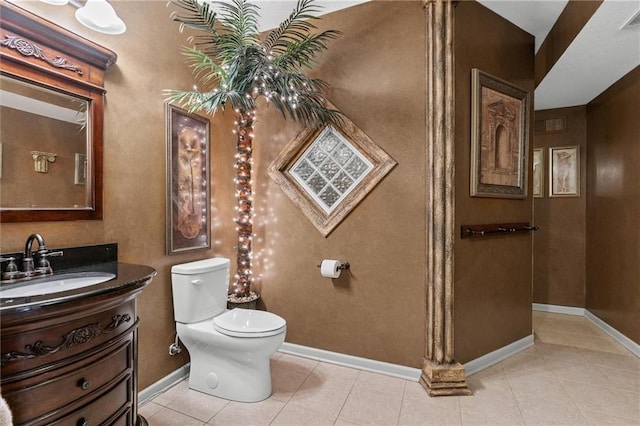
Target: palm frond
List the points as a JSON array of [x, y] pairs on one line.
[[296, 26], [209, 102], [204, 68], [196, 15], [301, 98], [236, 69], [301, 53], [240, 22]]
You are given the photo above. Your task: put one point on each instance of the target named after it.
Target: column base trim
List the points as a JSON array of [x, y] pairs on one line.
[[444, 379]]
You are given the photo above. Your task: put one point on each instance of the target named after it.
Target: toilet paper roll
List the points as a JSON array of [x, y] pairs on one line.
[[330, 268]]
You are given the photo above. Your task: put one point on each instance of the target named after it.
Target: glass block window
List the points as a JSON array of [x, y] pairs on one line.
[[327, 172], [330, 168]]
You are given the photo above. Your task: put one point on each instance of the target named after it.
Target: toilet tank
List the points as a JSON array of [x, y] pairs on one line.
[[200, 289]]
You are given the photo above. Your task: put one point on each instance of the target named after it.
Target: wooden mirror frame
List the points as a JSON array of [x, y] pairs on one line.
[[39, 52]]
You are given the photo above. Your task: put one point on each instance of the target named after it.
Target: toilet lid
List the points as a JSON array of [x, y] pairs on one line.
[[248, 323]]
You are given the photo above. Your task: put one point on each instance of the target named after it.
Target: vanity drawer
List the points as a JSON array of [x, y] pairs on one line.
[[102, 410], [67, 391], [35, 351]]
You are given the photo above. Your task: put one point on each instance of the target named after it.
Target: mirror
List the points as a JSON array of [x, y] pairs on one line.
[[51, 97], [44, 145]]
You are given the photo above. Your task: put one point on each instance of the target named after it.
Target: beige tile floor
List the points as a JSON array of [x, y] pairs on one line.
[[573, 375]]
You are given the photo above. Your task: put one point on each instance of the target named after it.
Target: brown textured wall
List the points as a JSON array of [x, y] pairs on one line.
[[613, 206], [492, 275], [377, 71], [559, 246], [377, 74], [134, 167], [21, 186]]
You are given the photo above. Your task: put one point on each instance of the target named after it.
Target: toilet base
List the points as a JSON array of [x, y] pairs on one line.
[[240, 383]]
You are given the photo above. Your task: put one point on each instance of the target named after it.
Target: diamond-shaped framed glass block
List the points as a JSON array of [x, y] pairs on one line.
[[327, 172]]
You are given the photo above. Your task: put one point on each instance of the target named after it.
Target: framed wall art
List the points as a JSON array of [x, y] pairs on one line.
[[499, 137], [80, 169], [564, 171], [188, 189], [538, 172], [328, 171]]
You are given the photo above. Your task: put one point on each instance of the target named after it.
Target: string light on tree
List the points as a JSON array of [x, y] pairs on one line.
[[243, 66]]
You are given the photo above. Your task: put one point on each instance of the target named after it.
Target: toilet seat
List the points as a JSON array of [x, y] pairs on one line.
[[249, 323]]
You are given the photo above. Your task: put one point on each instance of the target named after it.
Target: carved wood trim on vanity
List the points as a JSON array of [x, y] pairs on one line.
[[74, 361], [75, 337]]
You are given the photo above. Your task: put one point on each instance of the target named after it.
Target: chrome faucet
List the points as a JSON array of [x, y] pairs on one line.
[[27, 261], [29, 268], [44, 267]]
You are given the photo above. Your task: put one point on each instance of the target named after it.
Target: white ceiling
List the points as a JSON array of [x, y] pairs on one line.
[[599, 56], [601, 53]]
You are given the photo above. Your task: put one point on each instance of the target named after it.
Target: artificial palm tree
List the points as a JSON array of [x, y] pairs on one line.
[[238, 66]]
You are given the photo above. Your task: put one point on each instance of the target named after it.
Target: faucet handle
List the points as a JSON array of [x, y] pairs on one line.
[[51, 253], [11, 267], [44, 267], [11, 271]]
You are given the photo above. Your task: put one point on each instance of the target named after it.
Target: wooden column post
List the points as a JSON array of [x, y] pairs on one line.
[[441, 374]]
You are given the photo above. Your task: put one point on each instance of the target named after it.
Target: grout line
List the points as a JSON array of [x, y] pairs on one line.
[[562, 386], [404, 393], [347, 398], [278, 413], [513, 395]]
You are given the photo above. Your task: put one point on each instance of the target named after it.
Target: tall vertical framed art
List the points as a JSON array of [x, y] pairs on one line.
[[188, 188], [499, 137], [564, 171]]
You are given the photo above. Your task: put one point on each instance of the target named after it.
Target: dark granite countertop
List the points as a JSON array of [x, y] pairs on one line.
[[127, 276]]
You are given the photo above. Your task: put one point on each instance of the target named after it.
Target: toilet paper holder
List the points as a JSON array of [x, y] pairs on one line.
[[342, 266]]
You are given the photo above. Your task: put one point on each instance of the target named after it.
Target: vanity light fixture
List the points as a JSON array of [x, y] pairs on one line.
[[97, 15]]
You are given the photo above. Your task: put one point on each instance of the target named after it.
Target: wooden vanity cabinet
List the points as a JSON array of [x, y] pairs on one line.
[[72, 363]]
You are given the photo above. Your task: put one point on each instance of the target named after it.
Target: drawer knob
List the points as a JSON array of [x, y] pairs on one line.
[[83, 422], [84, 384]]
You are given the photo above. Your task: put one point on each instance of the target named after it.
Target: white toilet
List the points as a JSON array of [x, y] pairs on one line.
[[229, 349]]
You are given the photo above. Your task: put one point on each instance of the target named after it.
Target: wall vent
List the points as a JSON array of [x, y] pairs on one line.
[[551, 125], [634, 22]]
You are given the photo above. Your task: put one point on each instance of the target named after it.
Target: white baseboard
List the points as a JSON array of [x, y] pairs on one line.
[[163, 384], [627, 343], [558, 309], [486, 361], [366, 364], [404, 372]]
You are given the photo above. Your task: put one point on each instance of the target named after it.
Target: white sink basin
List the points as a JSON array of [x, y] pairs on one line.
[[55, 284]]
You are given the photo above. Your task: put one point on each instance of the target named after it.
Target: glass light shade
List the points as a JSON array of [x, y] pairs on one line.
[[100, 16], [56, 2]]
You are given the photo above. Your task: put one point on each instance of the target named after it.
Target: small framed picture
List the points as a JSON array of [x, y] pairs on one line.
[[538, 172], [80, 171], [564, 171]]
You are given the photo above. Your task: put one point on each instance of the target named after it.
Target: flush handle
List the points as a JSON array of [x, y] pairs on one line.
[[196, 281], [84, 384]]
